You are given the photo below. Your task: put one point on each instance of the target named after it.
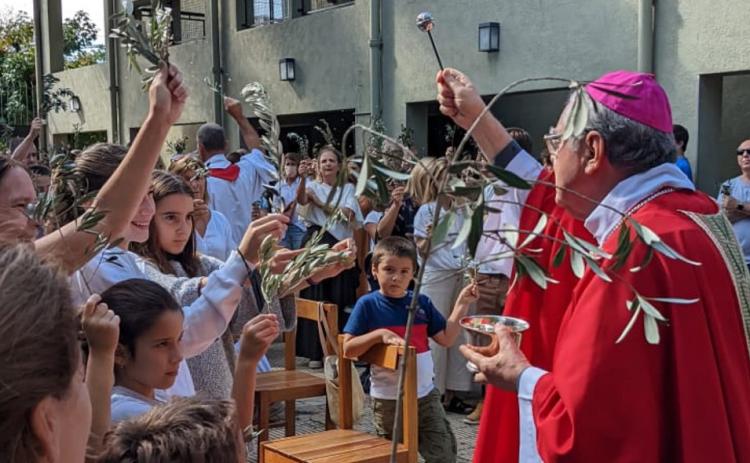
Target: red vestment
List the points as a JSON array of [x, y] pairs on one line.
[[497, 439], [684, 399]]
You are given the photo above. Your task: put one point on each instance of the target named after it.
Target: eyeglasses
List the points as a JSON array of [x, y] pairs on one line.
[[553, 142], [741, 152]]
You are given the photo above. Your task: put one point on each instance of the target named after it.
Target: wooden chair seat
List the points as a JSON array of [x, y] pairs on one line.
[[284, 385], [339, 446]]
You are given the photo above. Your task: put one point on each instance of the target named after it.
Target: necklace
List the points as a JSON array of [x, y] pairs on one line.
[[635, 208]]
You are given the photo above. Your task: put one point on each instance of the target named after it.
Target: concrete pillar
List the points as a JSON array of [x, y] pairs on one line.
[[52, 36], [708, 171]]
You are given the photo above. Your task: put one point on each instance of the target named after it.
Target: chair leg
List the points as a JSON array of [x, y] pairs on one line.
[[290, 418], [264, 408], [329, 421]]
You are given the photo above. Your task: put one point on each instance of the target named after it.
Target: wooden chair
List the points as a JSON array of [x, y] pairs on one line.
[[346, 445], [289, 385]]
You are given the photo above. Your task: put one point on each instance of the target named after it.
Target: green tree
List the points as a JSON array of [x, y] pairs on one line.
[[17, 62], [79, 35]]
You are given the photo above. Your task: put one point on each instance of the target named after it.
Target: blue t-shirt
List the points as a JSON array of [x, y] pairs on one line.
[[375, 311], [684, 166]]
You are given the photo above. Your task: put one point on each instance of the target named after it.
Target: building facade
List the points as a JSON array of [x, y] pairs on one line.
[[356, 58]]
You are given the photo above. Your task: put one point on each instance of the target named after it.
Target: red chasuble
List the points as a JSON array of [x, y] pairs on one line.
[[686, 399], [497, 440]]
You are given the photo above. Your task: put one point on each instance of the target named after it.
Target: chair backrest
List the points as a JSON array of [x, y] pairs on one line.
[[384, 356], [309, 310]]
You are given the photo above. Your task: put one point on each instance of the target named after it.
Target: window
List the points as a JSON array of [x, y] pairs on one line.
[[313, 5], [188, 18], [258, 12]]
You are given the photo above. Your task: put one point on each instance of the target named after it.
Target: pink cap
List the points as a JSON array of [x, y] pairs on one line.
[[634, 95]]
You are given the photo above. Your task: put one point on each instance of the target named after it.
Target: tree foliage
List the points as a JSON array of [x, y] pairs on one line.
[[17, 57]]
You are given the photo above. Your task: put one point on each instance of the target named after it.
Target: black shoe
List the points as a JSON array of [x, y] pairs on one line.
[[457, 405]]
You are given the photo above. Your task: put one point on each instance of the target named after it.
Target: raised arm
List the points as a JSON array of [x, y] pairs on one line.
[[460, 101], [249, 135], [386, 224], [102, 329], [469, 295], [22, 151], [257, 335], [120, 197]]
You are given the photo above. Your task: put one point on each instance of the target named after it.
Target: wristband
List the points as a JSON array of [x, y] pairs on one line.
[[247, 265]]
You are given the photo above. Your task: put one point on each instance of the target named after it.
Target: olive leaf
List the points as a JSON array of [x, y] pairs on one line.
[[477, 227], [149, 39], [635, 308], [362, 176], [541, 223], [508, 177], [443, 227], [255, 94], [463, 233], [532, 269]]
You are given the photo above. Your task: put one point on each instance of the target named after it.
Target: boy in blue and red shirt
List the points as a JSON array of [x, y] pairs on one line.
[[380, 317]]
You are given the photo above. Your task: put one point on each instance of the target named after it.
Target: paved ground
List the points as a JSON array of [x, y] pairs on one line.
[[310, 415]]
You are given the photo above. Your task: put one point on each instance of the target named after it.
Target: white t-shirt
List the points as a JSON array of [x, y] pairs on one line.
[[739, 189], [442, 255], [315, 215], [235, 199], [219, 240], [126, 403]]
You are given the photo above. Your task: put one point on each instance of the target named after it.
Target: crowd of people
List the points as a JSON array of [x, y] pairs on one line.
[[133, 324]]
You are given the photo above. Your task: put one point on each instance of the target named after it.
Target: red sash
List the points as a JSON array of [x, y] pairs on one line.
[[229, 174]]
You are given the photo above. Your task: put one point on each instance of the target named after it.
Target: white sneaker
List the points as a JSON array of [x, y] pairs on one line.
[[315, 364]]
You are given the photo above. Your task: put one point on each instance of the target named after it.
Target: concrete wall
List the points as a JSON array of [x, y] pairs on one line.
[[537, 38], [90, 83], [194, 59], [331, 51], [700, 37]]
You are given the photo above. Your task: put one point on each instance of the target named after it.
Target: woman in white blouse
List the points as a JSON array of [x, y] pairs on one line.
[[213, 232], [315, 194]]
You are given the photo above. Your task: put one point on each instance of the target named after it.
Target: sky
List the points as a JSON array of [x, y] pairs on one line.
[[95, 9]]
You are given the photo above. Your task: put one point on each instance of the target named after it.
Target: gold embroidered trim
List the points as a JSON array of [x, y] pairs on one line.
[[720, 231]]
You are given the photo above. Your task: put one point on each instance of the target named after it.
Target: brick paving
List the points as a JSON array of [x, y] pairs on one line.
[[311, 418]]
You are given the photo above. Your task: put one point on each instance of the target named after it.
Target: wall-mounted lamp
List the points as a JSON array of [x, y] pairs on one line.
[[489, 37], [286, 69], [74, 104]]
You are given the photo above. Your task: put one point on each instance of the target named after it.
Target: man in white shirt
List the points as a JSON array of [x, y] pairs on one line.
[[233, 188]]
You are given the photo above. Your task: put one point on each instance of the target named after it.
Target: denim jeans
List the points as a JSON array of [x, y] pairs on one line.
[[293, 237]]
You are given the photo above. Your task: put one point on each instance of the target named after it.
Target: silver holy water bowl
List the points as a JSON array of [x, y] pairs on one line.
[[480, 330]]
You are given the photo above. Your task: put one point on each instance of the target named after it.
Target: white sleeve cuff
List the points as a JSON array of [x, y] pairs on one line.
[[527, 382], [527, 451]]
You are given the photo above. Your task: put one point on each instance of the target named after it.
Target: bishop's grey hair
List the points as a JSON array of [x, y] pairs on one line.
[[630, 144]]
